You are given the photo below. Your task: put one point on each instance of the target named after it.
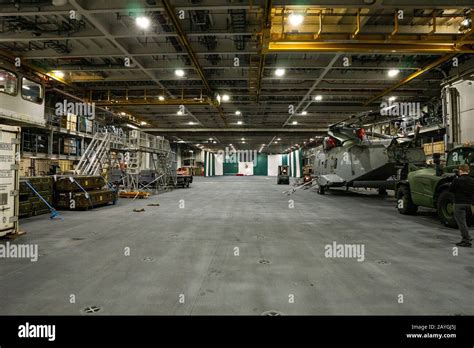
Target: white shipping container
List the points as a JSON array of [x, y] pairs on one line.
[[9, 178]]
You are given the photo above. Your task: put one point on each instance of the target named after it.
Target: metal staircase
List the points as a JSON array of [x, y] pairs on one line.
[[96, 157], [108, 147]]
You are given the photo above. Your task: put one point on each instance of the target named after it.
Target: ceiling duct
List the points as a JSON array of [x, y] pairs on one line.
[[238, 23]]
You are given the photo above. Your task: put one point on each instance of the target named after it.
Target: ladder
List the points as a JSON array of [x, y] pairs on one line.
[[96, 156]]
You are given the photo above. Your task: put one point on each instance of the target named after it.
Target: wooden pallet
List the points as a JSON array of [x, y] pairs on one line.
[[133, 194]]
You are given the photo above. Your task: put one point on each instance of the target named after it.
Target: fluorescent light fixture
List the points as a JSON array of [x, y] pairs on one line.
[[295, 19], [393, 72], [392, 98], [214, 142], [58, 73], [275, 142], [304, 113], [161, 98], [131, 126], [179, 72], [179, 113], [280, 72], [294, 122], [243, 142], [318, 97], [26, 87], [238, 113], [142, 22], [191, 123], [279, 139], [239, 122], [242, 139], [143, 123], [225, 98], [210, 138]]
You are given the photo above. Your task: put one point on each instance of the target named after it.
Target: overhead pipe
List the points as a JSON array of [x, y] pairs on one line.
[[194, 60], [357, 31], [412, 76], [395, 30]]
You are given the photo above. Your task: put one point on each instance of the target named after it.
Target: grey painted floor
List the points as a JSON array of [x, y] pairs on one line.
[[191, 250]]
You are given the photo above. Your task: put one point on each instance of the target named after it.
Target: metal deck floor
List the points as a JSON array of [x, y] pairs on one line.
[[190, 251]]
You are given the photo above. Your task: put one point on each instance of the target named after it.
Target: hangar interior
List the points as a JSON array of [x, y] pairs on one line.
[[242, 157]]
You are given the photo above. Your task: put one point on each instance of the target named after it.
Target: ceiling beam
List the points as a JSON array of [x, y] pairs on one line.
[[170, 11], [100, 26], [412, 76], [374, 48]]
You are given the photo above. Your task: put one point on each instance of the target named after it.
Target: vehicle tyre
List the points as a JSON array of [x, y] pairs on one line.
[[405, 205], [445, 207], [321, 190]]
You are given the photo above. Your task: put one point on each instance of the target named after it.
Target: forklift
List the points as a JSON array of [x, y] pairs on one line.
[[283, 177]]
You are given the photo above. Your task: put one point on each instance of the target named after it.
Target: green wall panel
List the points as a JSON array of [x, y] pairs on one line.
[[230, 168], [262, 165]]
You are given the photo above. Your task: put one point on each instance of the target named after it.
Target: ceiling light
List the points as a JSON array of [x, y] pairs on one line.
[[304, 113], [280, 72], [210, 138], [179, 72], [275, 142], [143, 123], [238, 113], [214, 142], [465, 25], [279, 139], [179, 113], [243, 142], [161, 98], [191, 123], [392, 98], [295, 122], [225, 98], [59, 74], [242, 139], [318, 97], [295, 19], [239, 122], [26, 87], [393, 72], [142, 22]]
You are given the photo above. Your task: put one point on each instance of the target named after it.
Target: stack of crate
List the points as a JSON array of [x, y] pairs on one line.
[[84, 124], [69, 192], [69, 122], [30, 203], [70, 146]]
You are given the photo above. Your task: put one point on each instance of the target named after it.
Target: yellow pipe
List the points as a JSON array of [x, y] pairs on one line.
[[395, 30], [320, 30], [276, 46], [357, 31], [409, 78]]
